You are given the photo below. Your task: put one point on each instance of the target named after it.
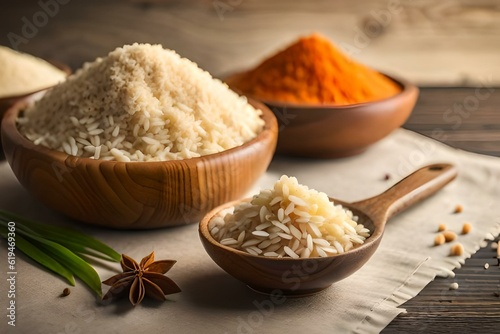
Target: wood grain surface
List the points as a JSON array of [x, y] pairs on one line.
[[454, 42], [475, 306], [434, 44], [457, 117]]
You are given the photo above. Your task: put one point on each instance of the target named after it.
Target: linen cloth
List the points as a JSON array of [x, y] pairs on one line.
[[214, 302]]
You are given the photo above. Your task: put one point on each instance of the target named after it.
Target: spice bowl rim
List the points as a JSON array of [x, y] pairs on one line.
[[406, 88]]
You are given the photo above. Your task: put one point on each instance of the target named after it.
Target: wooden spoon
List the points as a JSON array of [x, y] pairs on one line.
[[298, 277], [374, 212]]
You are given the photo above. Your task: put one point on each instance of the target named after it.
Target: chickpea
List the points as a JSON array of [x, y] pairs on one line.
[[457, 249], [439, 240], [466, 228], [449, 236], [441, 227]]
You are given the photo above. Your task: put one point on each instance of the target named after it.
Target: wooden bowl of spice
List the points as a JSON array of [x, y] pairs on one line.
[[327, 105], [92, 151]]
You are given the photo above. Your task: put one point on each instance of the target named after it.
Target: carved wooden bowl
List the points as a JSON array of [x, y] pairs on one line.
[[137, 195], [333, 131]]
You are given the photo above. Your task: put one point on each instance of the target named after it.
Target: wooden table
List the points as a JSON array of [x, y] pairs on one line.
[[425, 42], [457, 117], [475, 306]]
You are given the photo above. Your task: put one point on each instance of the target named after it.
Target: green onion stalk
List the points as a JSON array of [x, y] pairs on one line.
[[61, 250]]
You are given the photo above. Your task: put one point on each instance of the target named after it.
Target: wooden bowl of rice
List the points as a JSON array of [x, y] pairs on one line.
[[137, 195]]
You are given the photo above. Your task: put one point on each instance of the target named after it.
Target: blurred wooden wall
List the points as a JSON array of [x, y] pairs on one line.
[[449, 42]]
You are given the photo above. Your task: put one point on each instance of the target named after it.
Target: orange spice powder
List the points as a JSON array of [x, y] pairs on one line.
[[313, 70]]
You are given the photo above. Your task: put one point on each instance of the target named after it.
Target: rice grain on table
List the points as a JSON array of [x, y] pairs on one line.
[[289, 220], [141, 103]]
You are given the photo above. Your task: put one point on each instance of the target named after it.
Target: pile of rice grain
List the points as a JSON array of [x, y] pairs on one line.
[[289, 220], [141, 103], [21, 73]]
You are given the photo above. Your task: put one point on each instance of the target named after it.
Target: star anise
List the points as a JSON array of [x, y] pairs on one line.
[[139, 280]]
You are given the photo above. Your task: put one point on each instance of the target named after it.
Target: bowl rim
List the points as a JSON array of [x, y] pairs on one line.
[[9, 127], [407, 88], [61, 66], [204, 232]]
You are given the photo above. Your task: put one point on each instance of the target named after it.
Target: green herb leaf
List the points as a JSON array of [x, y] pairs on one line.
[[40, 257], [58, 249], [71, 239], [74, 263]]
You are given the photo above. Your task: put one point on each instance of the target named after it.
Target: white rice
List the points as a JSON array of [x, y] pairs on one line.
[[291, 221], [141, 103], [22, 73]]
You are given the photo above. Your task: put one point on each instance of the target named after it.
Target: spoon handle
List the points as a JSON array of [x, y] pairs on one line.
[[410, 190]]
